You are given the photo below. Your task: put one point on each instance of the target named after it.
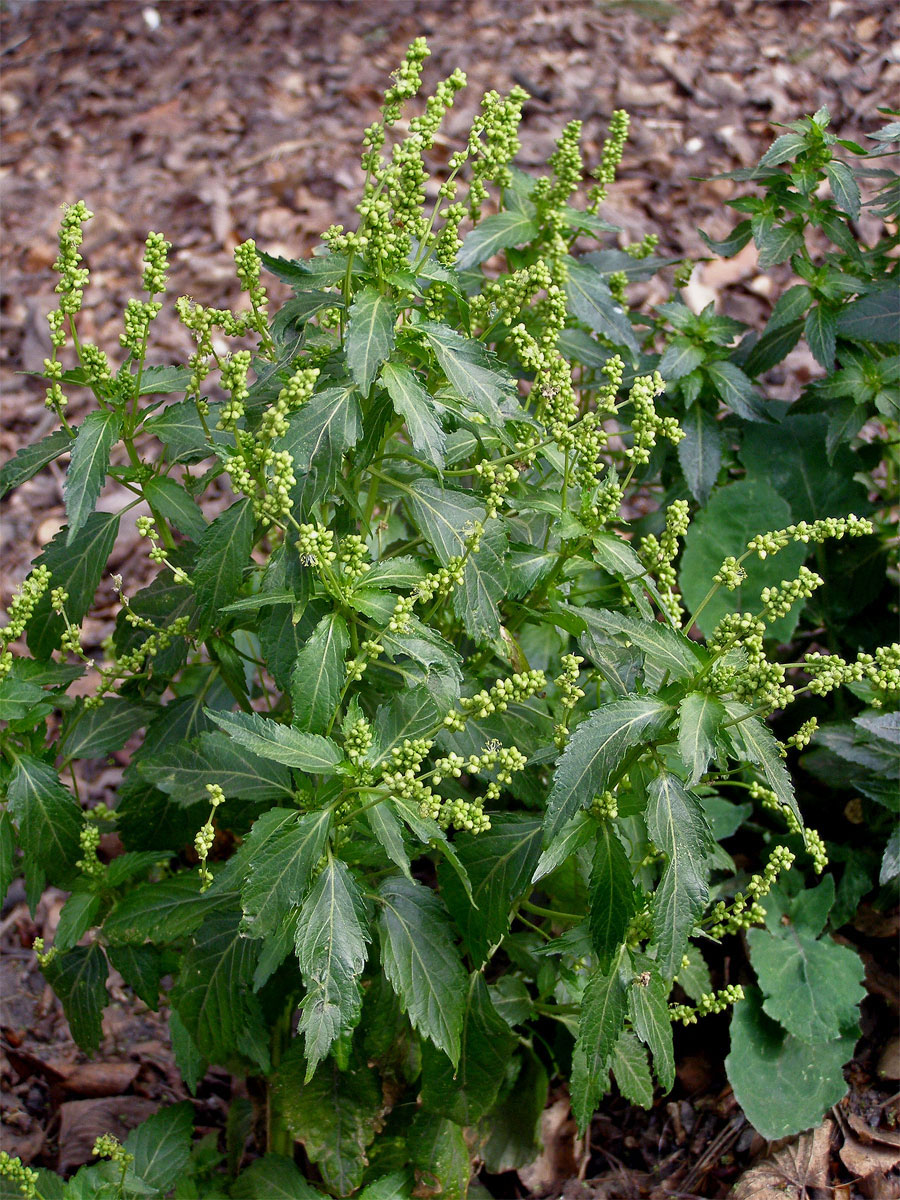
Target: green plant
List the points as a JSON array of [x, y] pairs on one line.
[[463, 830]]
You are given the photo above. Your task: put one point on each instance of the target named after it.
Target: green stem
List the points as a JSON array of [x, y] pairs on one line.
[[278, 1136], [551, 914]]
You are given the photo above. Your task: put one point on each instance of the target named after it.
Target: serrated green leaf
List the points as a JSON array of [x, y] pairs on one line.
[[820, 328], [734, 389], [281, 870], [275, 1177], [78, 976], [186, 768], [699, 718], [78, 915], [78, 568], [48, 818], [733, 516], [631, 1070], [649, 1012], [602, 1016], [437, 1149], [161, 1146], [422, 962], [88, 465], [91, 732], [411, 714], [478, 378], [872, 318], [465, 1093], [7, 853], [213, 993], [680, 358], [319, 674], [596, 750], [783, 149], [224, 552], [403, 571], [332, 936], [494, 233], [499, 864], [416, 406], [812, 986], [669, 650], [752, 740], [676, 824], [591, 301], [445, 517], [304, 751], [573, 835], [700, 451], [141, 967], [733, 243], [779, 243], [31, 459], [176, 505], [612, 893], [191, 1064], [162, 912], [334, 1115], [513, 1125], [388, 832], [844, 188], [783, 1085], [370, 335], [181, 430], [485, 585]]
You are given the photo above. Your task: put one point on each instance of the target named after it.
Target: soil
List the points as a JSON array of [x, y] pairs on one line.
[[217, 121]]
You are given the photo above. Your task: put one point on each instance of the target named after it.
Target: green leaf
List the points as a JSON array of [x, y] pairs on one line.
[[733, 243], [777, 244], [783, 1085], [438, 1151], [416, 406], [31, 459], [791, 457], [445, 517], [421, 961], [773, 347], [411, 714], [78, 568], [332, 935], [784, 149], [649, 1012], [669, 650], [224, 552], [181, 430], [591, 301], [613, 900], [78, 915], [19, 698], [188, 1058], [78, 976], [513, 1125], [7, 853], [676, 824], [498, 232], [753, 741], [734, 389], [404, 571], [844, 188], [812, 986], [370, 335], [97, 434], [681, 357], [733, 516], [92, 732], [318, 677], [872, 318], [279, 873], [48, 818], [161, 1146], [602, 1017], [275, 1177], [821, 333], [499, 864], [476, 376], [304, 751], [699, 718], [319, 433], [596, 750], [485, 585], [631, 1070], [213, 993], [141, 967], [573, 835], [186, 768], [162, 912], [388, 832], [700, 451], [465, 1093], [335, 1115], [173, 502]]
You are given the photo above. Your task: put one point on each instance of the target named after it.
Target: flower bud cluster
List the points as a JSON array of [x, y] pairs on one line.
[[646, 424], [248, 265], [746, 911], [659, 555], [234, 381], [44, 958], [55, 399], [709, 1002], [801, 739], [499, 481], [506, 297], [141, 657], [156, 263], [206, 835], [96, 364], [485, 703], [644, 248], [778, 601], [567, 682], [292, 396], [107, 1146], [881, 671], [804, 531], [611, 156], [202, 322], [89, 841], [24, 601], [358, 741], [19, 1175], [315, 545], [640, 927], [605, 806], [407, 81], [558, 404], [72, 278], [136, 319], [493, 144], [731, 574], [753, 680], [354, 557]]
